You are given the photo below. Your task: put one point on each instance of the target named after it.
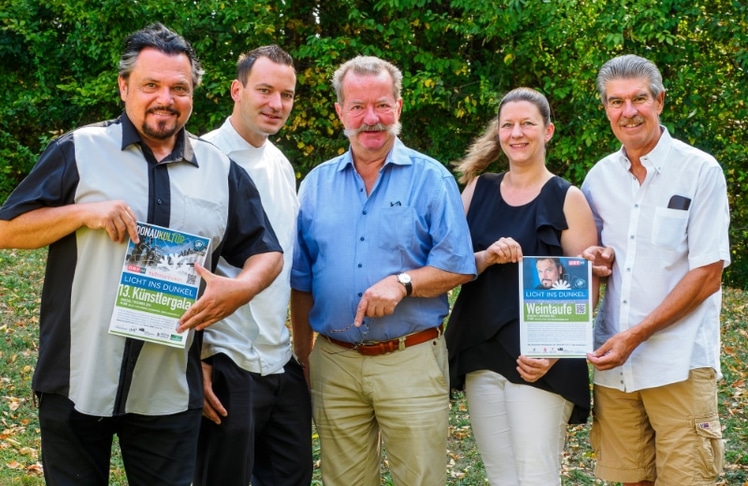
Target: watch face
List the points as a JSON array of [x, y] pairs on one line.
[[404, 279]]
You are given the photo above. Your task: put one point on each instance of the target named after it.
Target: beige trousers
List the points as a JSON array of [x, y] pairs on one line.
[[400, 399]]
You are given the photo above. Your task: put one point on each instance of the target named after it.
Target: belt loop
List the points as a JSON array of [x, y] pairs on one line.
[[401, 343]]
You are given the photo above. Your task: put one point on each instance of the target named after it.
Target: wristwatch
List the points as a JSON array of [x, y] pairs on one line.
[[404, 279]]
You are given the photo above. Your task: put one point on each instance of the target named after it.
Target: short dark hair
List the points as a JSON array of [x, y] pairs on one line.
[[159, 37], [247, 60], [556, 262]]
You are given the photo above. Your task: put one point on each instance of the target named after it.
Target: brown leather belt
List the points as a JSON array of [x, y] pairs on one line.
[[397, 344]]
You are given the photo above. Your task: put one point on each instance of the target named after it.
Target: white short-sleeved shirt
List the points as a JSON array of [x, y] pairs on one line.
[[255, 337], [677, 220]]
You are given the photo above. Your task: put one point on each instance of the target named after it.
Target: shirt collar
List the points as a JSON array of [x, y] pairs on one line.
[[397, 156], [234, 141], [657, 159], [182, 151]]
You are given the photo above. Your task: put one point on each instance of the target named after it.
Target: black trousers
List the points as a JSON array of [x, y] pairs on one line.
[[267, 435], [76, 448]]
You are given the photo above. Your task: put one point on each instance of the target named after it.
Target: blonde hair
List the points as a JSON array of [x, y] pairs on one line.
[[480, 154], [486, 148]]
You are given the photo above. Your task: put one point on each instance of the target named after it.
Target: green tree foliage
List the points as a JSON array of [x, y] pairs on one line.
[[58, 71]]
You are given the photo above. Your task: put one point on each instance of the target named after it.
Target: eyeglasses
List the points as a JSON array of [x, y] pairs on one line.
[[363, 330]]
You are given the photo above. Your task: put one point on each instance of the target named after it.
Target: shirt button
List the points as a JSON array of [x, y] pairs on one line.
[[159, 201], [362, 238], [360, 265], [363, 212], [360, 294]]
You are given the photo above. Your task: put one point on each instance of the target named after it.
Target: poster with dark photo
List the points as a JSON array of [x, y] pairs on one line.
[[555, 307]]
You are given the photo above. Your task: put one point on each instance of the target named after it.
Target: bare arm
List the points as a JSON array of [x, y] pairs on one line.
[[467, 194], [581, 233], [43, 226], [303, 336], [691, 291], [224, 295]]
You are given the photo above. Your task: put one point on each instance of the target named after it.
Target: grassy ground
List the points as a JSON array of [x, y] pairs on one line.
[[21, 275]]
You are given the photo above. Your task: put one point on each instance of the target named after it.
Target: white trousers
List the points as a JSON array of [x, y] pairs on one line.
[[520, 430]]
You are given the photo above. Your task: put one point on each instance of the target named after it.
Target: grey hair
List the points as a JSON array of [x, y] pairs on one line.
[[161, 38], [629, 66], [367, 65], [486, 148]]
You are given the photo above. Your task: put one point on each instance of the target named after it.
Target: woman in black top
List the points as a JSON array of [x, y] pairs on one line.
[[519, 406]]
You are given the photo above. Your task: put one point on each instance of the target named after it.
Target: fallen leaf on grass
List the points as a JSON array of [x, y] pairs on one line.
[[6, 437], [13, 403], [461, 433], [28, 451]]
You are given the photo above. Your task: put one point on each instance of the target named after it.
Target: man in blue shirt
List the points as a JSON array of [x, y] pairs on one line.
[[381, 238]]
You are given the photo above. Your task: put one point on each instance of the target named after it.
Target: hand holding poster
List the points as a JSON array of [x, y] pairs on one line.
[[158, 284], [555, 307]]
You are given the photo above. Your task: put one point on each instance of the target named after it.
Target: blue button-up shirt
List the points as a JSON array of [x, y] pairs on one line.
[[347, 241]]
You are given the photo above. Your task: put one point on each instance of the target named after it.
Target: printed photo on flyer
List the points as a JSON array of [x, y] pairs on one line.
[[158, 284], [555, 307]]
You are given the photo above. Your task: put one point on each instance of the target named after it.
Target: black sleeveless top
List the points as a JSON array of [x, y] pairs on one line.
[[483, 329]]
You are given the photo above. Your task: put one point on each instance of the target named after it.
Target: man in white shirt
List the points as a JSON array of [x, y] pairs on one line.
[[662, 213], [257, 413]]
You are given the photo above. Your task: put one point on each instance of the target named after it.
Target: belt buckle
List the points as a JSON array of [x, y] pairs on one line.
[[401, 343]]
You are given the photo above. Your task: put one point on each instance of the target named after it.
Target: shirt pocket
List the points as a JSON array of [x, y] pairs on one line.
[[200, 216], [396, 231], [669, 228]]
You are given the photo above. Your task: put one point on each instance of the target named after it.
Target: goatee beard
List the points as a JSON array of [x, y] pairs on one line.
[[162, 131]]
